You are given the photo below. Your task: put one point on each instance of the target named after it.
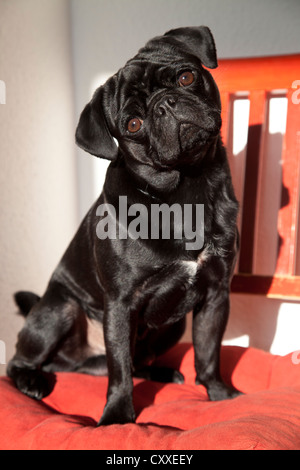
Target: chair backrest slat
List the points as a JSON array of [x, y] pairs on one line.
[[266, 174]]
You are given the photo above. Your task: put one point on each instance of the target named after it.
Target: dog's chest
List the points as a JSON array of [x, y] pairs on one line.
[[174, 293]]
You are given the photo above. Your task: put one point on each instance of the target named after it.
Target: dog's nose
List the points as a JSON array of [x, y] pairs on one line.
[[164, 105]]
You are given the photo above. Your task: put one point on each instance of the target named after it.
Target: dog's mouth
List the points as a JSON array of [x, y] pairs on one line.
[[192, 137], [188, 144]]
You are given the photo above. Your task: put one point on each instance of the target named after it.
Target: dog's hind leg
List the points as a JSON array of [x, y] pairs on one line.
[[160, 374], [94, 365], [153, 344], [48, 322]]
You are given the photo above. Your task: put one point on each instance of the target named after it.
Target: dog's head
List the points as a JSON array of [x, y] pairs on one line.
[[163, 108]]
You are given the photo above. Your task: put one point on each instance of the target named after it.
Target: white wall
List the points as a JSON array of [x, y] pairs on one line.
[[38, 213]]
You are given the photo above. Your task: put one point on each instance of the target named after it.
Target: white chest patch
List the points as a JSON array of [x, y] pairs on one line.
[[192, 267]]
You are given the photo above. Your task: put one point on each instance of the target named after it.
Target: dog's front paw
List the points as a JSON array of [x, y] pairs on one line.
[[121, 412], [220, 391], [32, 382]]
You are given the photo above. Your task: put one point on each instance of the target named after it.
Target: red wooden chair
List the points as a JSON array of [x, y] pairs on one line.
[[259, 79]]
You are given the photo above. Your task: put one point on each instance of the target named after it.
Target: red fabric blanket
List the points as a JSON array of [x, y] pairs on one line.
[[169, 416]]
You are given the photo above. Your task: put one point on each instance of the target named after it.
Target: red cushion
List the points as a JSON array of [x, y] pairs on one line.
[[170, 416]]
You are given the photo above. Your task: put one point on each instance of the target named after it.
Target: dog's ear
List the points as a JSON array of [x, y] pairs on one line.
[[92, 133], [200, 41]]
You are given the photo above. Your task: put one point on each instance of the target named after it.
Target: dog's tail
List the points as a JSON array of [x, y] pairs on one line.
[[25, 301]]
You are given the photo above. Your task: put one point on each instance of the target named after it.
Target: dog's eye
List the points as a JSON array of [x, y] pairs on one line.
[[134, 125], [186, 79]]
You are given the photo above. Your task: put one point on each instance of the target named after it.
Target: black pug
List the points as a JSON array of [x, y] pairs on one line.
[[114, 304]]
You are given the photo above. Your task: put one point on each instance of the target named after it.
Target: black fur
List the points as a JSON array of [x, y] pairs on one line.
[[25, 301], [140, 290]]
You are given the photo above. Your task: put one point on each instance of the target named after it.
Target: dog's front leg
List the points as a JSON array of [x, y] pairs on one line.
[[209, 322], [119, 334]]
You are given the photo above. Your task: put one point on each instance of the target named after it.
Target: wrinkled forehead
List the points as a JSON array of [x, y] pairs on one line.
[[161, 51], [155, 63]]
